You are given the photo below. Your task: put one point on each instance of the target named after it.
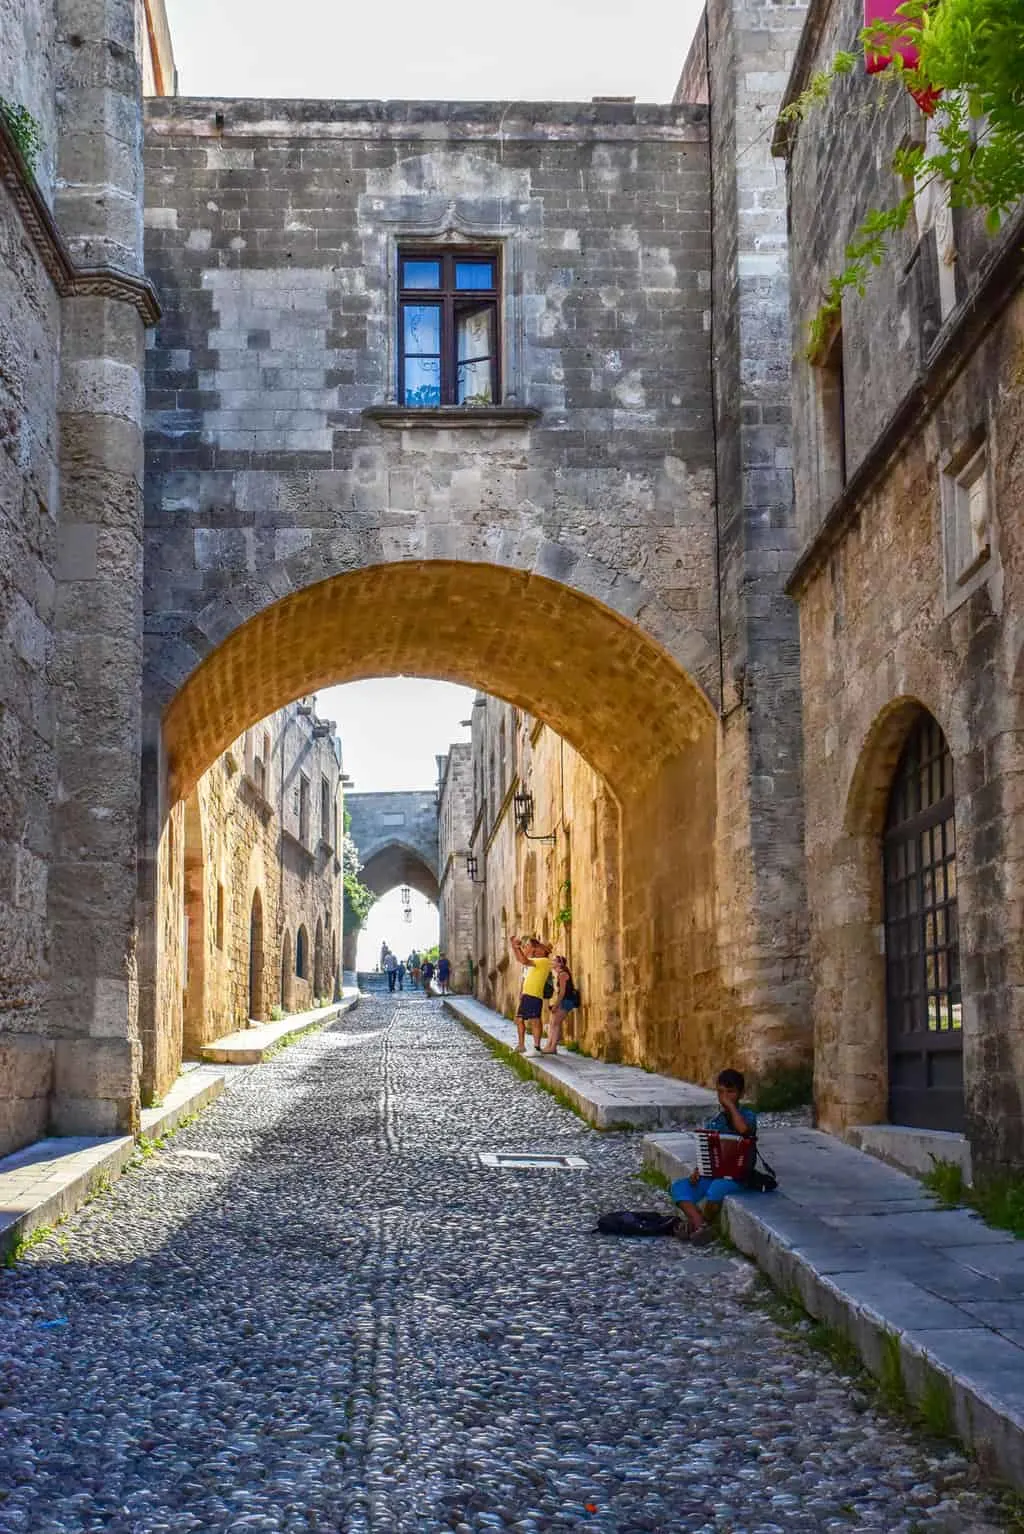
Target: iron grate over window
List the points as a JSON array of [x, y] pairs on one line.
[[923, 1000]]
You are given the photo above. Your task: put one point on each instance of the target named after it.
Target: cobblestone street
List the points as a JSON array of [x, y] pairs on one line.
[[315, 1309]]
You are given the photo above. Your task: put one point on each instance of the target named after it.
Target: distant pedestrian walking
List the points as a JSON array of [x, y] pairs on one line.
[[391, 969], [444, 974], [427, 974], [565, 999], [537, 956], [401, 975]]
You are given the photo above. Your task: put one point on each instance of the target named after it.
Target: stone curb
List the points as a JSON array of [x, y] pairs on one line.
[[606, 1111], [249, 1046], [66, 1171], [975, 1375]]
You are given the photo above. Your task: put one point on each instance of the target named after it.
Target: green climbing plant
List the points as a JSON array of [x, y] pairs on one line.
[[24, 130], [563, 916], [969, 71], [357, 897]]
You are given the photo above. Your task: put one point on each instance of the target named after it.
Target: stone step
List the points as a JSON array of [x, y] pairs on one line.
[[249, 1046], [607, 1096], [866, 1249]]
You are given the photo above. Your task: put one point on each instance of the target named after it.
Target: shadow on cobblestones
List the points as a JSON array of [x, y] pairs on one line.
[[316, 1310]]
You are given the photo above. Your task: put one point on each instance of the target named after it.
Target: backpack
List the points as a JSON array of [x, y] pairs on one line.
[[549, 986], [638, 1222], [761, 1182]]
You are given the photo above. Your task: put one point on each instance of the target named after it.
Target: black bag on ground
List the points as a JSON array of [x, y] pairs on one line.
[[637, 1222]]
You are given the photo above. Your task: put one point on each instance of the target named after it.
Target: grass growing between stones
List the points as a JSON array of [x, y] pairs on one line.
[[524, 1071], [999, 1200], [785, 1089], [931, 1413], [653, 1178]]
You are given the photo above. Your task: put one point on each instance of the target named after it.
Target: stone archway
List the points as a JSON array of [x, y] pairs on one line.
[[643, 724], [390, 864], [319, 966], [850, 1041]]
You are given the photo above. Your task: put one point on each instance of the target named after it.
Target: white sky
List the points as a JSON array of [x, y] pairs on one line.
[[386, 924], [392, 729], [535, 50]]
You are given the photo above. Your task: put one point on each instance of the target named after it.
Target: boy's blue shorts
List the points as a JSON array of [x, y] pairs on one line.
[[714, 1189]]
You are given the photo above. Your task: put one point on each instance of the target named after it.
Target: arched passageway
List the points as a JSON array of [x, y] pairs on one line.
[[256, 1003], [389, 867], [641, 722], [286, 971]]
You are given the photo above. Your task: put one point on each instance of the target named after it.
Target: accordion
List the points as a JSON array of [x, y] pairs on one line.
[[720, 1155]]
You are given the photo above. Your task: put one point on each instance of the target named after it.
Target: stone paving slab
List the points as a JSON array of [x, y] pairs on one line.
[[249, 1046], [866, 1249], [607, 1096], [42, 1183]]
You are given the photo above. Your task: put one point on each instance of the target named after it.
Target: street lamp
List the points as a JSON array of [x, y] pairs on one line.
[[522, 809], [406, 895], [472, 866]]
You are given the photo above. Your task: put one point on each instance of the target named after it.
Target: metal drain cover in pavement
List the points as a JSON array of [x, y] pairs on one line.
[[517, 1161]]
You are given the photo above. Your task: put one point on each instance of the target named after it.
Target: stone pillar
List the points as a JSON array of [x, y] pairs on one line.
[[97, 668], [740, 66]]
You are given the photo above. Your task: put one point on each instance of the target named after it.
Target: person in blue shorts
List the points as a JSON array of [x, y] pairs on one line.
[[690, 1192]]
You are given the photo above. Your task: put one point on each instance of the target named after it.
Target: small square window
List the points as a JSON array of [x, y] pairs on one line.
[[967, 517], [449, 341]]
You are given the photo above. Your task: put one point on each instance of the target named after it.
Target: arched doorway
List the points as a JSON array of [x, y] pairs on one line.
[[195, 1031], [286, 971], [922, 965], [256, 957], [302, 954], [319, 982]]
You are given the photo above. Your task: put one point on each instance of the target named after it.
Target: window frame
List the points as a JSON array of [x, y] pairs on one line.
[[449, 299]]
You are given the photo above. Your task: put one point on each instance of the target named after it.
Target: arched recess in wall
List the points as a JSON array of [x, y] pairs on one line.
[[319, 966], [194, 1009], [257, 1007], [593, 675], [302, 954], [287, 977], [852, 1023]]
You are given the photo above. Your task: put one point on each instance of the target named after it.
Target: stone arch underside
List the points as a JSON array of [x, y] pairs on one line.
[[594, 676], [396, 864]]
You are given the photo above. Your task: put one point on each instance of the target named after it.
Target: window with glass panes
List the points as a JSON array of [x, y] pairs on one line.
[[448, 350]]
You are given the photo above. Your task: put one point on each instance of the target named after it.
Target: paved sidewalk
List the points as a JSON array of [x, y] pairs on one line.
[[42, 1183], [867, 1249], [249, 1046], [608, 1096]]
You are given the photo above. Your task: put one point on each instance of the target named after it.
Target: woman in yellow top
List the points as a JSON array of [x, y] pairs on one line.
[[537, 956]]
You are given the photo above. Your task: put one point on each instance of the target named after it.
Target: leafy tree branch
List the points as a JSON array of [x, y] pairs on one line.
[[963, 61]]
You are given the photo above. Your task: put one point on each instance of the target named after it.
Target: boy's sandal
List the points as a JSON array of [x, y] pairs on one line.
[[703, 1237]]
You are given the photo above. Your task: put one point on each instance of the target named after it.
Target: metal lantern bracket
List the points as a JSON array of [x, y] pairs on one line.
[[472, 868], [522, 806]]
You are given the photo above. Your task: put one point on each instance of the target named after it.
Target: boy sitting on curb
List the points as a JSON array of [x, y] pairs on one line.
[[689, 1192]]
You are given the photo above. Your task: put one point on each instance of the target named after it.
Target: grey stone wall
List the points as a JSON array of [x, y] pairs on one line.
[[887, 629], [739, 63], [29, 506], [28, 67], [454, 829]]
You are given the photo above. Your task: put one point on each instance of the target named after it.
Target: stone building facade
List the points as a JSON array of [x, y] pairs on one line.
[[455, 878], [74, 305], [580, 500], [250, 901], [909, 478]]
